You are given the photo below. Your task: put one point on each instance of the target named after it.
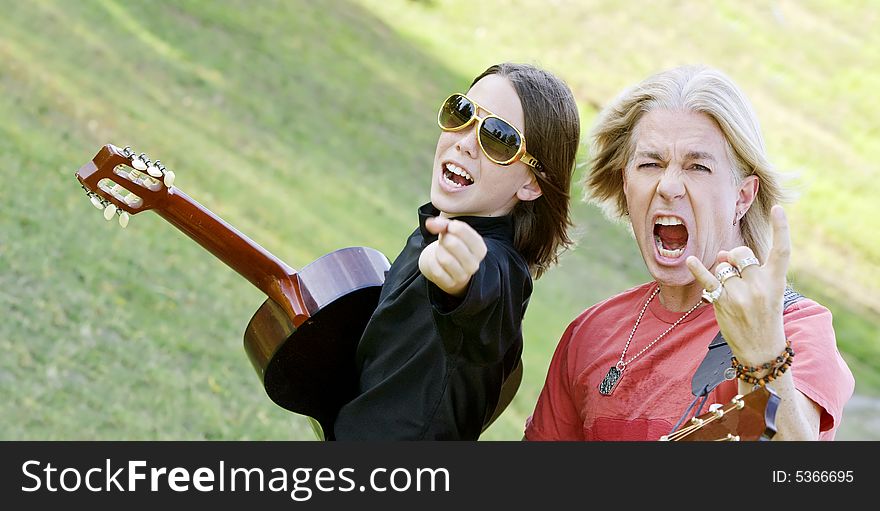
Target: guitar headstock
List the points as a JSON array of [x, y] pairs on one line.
[[745, 418], [121, 182]]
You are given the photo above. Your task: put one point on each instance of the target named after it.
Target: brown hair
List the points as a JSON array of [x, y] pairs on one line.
[[552, 133]]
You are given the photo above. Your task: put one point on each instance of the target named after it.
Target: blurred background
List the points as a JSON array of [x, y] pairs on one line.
[[311, 126]]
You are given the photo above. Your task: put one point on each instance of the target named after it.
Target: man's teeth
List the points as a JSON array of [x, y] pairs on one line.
[[668, 220], [455, 169], [666, 252]]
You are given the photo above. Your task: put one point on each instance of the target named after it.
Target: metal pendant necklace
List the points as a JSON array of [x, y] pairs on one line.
[[609, 383]]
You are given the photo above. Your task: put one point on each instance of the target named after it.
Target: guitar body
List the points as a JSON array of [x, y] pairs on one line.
[[310, 370]]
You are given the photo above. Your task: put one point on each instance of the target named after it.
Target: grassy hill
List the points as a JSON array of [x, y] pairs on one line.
[[310, 127]]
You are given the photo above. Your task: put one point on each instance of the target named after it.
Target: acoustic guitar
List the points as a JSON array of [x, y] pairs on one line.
[[302, 340]]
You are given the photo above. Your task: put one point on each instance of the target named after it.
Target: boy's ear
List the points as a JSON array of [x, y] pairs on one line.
[[530, 190]]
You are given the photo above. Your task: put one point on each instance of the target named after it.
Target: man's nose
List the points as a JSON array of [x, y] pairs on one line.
[[671, 185]]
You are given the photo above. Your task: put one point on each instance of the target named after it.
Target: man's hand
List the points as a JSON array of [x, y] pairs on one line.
[[749, 309], [452, 260]]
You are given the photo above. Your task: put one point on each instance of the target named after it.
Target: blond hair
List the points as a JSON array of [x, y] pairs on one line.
[[696, 89]]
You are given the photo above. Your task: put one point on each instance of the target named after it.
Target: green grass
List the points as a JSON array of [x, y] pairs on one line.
[[310, 127]]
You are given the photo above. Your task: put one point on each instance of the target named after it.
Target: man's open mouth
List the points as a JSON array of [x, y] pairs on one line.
[[456, 176], [670, 236]]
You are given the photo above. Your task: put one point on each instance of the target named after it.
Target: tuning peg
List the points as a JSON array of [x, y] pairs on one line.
[[96, 201], [109, 211], [169, 178], [154, 171], [123, 219], [137, 163], [717, 409], [126, 151]]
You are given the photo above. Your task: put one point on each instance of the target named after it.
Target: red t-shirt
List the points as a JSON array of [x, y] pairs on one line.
[[655, 388]]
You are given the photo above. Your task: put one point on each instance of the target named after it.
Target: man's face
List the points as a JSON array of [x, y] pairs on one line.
[[681, 194], [464, 180]]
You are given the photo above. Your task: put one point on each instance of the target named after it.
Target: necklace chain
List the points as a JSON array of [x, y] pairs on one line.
[[620, 363]]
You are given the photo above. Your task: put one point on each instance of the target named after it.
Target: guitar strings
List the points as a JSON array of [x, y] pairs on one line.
[[694, 426]]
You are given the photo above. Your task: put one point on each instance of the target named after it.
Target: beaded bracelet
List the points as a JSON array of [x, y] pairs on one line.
[[775, 368]]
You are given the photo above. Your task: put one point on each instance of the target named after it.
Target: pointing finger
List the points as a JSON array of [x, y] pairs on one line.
[[437, 224]]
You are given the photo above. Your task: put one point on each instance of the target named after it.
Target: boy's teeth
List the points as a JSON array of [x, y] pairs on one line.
[[459, 171], [451, 182]]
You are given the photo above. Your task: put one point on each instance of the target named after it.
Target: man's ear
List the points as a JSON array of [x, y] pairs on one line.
[[531, 190], [748, 191]]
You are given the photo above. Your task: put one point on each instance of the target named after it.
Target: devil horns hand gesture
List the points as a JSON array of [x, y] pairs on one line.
[[748, 299], [748, 296]]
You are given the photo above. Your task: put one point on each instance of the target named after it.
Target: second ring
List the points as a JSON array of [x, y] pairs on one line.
[[726, 273]]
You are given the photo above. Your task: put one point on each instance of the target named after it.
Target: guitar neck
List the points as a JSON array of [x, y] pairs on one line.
[[265, 271]]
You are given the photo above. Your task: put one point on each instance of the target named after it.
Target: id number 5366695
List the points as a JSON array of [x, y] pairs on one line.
[[813, 476]]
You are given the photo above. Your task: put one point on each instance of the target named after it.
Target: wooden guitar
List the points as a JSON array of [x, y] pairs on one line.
[[745, 418], [302, 340]]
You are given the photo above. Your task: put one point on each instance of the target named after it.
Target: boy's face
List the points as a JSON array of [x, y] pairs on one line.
[[467, 183]]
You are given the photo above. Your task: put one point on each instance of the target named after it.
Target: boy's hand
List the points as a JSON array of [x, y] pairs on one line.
[[452, 260]]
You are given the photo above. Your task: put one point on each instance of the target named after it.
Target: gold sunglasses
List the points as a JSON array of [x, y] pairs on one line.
[[500, 141]]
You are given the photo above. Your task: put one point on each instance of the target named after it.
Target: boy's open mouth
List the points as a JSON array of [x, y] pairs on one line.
[[670, 236], [456, 176]]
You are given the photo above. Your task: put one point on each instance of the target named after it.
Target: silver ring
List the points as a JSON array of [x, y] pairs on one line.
[[748, 261], [726, 273], [711, 296]]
